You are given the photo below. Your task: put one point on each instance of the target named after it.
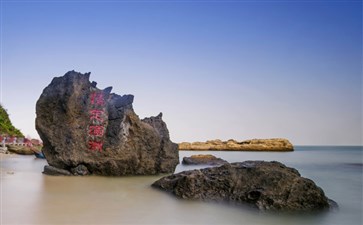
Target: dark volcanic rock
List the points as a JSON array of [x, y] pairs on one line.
[[86, 130], [203, 160], [264, 185]]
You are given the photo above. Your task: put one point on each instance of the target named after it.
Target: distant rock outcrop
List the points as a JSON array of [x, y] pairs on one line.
[[203, 160], [86, 130], [19, 149], [267, 186], [273, 144]]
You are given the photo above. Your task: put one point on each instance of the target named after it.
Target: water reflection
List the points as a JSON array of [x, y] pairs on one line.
[[29, 197]]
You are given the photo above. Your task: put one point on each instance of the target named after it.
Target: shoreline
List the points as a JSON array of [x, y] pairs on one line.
[[7, 155]]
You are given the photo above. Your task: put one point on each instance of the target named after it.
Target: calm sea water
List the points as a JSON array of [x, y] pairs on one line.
[[29, 197]]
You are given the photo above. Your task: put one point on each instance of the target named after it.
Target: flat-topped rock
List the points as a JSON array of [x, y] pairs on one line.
[[21, 150], [267, 186], [87, 130], [273, 144]]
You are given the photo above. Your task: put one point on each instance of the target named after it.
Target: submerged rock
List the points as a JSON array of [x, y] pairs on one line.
[[203, 160], [86, 130], [273, 144], [268, 186]]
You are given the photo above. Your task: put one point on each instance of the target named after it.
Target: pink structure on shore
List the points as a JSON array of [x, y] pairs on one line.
[[12, 140]]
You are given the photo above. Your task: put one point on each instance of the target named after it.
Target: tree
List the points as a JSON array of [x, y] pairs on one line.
[[6, 127]]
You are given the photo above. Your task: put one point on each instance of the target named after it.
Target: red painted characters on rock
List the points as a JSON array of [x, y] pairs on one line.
[[95, 145], [97, 99], [96, 130], [97, 117]]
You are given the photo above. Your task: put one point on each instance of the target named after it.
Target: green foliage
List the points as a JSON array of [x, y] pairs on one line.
[[6, 127]]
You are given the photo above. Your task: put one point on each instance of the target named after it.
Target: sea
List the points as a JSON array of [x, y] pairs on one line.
[[30, 197]]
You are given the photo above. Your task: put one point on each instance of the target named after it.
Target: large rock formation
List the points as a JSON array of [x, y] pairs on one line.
[[273, 144], [86, 130], [264, 185]]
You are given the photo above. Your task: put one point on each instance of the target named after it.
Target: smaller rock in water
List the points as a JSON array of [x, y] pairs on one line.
[[203, 160], [267, 186], [51, 170], [80, 170]]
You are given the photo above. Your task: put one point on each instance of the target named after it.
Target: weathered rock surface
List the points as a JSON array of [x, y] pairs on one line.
[[86, 130], [268, 186], [203, 160], [273, 144]]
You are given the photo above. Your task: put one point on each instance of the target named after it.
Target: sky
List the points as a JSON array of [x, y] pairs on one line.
[[216, 69]]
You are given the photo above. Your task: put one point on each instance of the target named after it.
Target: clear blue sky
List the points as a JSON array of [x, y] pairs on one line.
[[216, 69]]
